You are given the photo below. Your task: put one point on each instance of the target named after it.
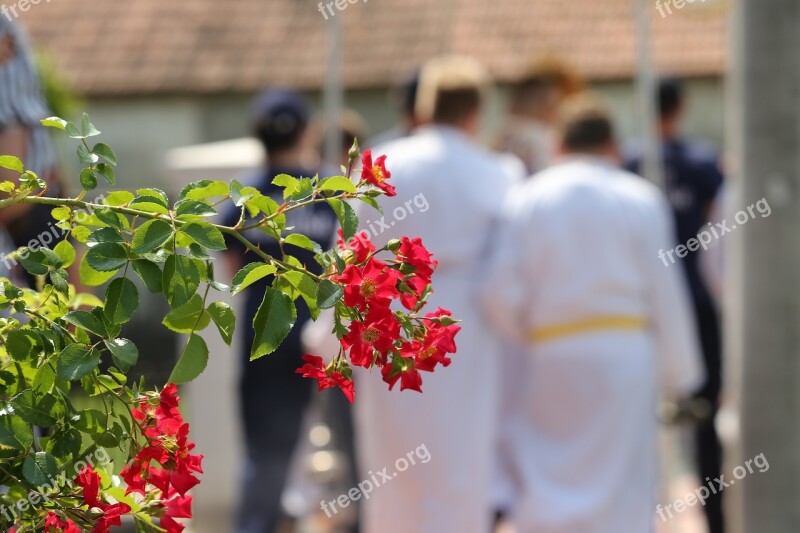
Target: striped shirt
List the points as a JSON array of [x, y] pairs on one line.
[[22, 101]]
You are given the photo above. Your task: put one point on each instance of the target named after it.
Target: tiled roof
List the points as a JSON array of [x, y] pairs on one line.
[[108, 47]]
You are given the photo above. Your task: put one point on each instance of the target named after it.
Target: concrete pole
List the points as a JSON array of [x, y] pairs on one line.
[[652, 165], [332, 98], [766, 296]]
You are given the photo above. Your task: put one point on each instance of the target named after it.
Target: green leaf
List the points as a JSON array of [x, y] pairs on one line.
[[72, 130], [106, 172], [123, 352], [107, 257], [301, 284], [122, 300], [304, 189], [40, 468], [180, 280], [44, 379], [149, 204], [251, 273], [150, 235], [149, 273], [66, 252], [286, 181], [12, 163], [239, 194], [105, 151], [118, 198], [60, 280], [187, 208], [65, 443], [19, 344], [34, 262], [76, 361], [39, 410], [85, 156], [87, 128], [346, 215], [109, 217], [205, 235], [200, 190], [87, 321], [337, 183], [192, 362], [88, 179], [273, 321], [301, 241], [154, 192], [189, 317], [61, 213], [15, 432], [225, 319], [91, 277], [54, 122], [328, 293], [104, 235]]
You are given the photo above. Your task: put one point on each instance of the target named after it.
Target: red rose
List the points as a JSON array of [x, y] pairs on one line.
[[375, 284], [376, 173]]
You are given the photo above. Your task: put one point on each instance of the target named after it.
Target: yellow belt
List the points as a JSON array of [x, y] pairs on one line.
[[588, 325]]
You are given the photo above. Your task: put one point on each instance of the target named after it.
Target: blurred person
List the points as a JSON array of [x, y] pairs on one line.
[[273, 399], [443, 166], [693, 181], [22, 107], [575, 279], [406, 96], [528, 130]]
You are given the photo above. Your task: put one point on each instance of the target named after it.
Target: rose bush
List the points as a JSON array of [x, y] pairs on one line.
[[54, 340]]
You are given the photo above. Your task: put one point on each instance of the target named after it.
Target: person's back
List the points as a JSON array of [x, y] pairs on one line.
[[692, 181], [449, 192], [576, 279], [272, 398]]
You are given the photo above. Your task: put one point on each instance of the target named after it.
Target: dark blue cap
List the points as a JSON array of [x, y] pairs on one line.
[[279, 116]]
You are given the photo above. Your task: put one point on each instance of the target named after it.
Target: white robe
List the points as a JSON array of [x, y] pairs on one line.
[[454, 418], [580, 241]]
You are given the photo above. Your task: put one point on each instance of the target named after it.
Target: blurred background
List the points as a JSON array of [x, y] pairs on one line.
[[170, 85]]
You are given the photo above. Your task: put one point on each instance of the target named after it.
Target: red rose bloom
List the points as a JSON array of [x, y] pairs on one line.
[[410, 300], [376, 173], [315, 368], [176, 507], [375, 284], [408, 375], [360, 245], [377, 332], [54, 524], [412, 252]]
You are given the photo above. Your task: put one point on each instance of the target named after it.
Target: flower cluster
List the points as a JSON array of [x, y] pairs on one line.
[[164, 470], [400, 343]]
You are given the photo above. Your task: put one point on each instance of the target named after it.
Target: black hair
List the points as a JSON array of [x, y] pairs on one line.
[[670, 96]]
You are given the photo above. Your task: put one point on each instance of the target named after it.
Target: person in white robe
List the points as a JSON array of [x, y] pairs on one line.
[[575, 279], [449, 193]]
